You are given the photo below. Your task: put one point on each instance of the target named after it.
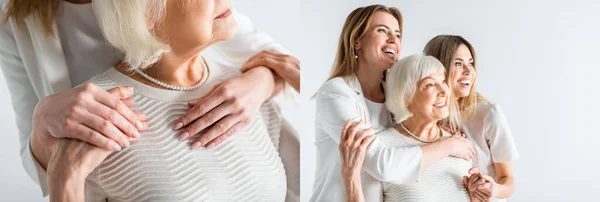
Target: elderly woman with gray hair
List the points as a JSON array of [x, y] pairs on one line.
[[419, 98], [156, 167]]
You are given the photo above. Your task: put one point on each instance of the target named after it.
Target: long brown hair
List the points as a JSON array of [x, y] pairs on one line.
[[354, 29], [43, 10], [443, 47]]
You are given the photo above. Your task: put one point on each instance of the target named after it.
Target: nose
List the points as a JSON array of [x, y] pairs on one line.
[[467, 69], [392, 38], [443, 90]]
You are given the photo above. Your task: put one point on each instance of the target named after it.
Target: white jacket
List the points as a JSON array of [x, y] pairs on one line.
[[34, 67], [337, 101]]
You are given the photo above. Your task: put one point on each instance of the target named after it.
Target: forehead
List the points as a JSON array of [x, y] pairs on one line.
[[463, 52], [385, 18], [437, 76]]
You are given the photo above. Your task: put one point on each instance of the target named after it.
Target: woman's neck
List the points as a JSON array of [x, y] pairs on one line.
[[424, 129], [370, 81], [172, 69]]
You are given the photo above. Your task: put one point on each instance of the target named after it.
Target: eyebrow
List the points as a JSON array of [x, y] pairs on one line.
[[471, 59], [382, 25]]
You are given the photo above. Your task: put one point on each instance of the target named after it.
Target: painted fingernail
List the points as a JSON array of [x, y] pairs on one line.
[[178, 126], [211, 145], [196, 145], [115, 147], [184, 136], [136, 134]]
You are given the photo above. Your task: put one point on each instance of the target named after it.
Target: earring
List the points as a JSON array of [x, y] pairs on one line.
[[355, 54]]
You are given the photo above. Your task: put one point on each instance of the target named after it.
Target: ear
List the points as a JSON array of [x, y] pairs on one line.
[[356, 45]]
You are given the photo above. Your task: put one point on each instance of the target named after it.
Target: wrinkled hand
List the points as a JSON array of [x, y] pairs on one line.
[[480, 187], [73, 157], [353, 147], [227, 108], [88, 113], [286, 66]]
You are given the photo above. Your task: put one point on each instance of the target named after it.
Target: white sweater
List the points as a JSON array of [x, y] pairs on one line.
[[158, 167], [441, 181]]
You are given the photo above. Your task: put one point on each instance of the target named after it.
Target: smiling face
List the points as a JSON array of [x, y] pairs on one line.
[[380, 45], [462, 72], [431, 97], [193, 24]]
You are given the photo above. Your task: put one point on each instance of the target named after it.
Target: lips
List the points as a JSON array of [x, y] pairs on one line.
[[464, 82], [389, 50], [225, 14], [440, 104]]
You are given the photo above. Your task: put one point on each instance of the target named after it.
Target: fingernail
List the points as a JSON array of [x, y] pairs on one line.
[[178, 126], [131, 89], [184, 136], [136, 134], [126, 144], [116, 147], [139, 124], [196, 145], [212, 145]]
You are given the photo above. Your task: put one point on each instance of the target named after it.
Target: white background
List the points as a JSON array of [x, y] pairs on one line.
[[537, 59]]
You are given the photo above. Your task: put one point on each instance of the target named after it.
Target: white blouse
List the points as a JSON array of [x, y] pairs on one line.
[[492, 137], [338, 101]]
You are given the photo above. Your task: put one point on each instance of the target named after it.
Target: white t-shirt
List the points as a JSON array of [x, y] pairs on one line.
[[158, 167], [492, 137], [441, 181], [380, 116], [80, 35]]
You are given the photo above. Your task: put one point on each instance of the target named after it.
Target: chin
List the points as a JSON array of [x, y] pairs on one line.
[[225, 30]]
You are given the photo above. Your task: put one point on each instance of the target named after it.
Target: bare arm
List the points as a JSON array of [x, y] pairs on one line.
[[504, 179]]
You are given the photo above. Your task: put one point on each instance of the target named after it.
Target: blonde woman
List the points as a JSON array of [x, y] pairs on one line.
[[483, 120], [157, 166], [369, 44], [418, 97], [50, 46]]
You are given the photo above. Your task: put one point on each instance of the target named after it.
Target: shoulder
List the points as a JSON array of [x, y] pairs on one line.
[[337, 86], [103, 81], [490, 111]]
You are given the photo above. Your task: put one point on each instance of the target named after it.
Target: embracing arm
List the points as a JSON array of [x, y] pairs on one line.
[[24, 100]]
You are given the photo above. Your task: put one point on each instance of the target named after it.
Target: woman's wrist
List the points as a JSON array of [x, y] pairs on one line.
[[275, 83], [66, 187]]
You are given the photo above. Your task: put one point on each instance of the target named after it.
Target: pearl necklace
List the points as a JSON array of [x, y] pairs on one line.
[[438, 136], [205, 75]]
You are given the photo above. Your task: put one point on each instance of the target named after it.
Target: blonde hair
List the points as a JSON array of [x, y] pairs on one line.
[[125, 26], [402, 82], [354, 29], [443, 47], [43, 10]]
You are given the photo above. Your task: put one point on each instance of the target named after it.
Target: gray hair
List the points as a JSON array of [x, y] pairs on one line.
[[401, 84], [124, 25]]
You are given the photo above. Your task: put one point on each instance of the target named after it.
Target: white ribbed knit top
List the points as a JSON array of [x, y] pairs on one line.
[[158, 167], [441, 181]]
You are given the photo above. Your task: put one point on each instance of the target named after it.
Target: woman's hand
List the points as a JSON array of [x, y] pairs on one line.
[[459, 146], [227, 108], [70, 164], [352, 149], [286, 66], [480, 187], [90, 114], [87, 113]]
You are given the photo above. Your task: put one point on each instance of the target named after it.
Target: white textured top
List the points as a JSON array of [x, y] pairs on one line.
[[441, 181], [158, 167], [380, 116], [491, 135]]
